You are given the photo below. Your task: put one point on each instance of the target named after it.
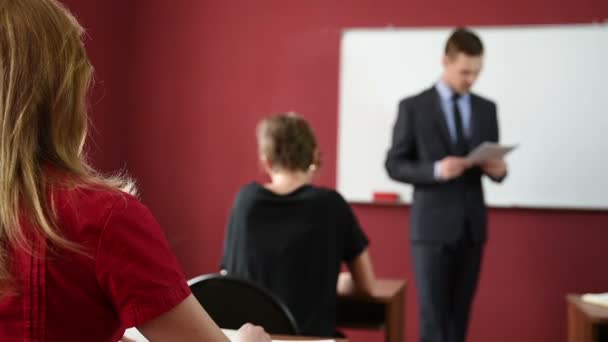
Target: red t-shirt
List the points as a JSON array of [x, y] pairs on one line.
[[128, 277]]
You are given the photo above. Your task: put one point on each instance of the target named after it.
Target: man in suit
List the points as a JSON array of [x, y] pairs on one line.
[[433, 133]]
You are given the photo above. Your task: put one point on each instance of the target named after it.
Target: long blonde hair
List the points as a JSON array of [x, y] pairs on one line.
[[44, 79]]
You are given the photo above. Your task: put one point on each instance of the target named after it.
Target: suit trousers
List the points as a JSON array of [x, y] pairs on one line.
[[446, 280]]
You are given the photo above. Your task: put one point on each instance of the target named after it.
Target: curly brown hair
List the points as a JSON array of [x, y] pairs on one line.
[[288, 142]]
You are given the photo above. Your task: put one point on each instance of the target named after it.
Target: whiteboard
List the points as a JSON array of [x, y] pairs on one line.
[[551, 87]]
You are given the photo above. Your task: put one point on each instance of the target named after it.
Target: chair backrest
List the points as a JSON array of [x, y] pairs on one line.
[[232, 302]]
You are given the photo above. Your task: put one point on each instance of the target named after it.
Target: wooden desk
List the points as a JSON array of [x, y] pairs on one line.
[[586, 322], [384, 310]]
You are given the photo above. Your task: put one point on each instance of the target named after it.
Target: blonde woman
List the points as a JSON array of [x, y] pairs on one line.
[[80, 259], [290, 236]]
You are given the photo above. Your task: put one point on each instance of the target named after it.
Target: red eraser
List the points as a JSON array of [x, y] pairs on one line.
[[391, 197]]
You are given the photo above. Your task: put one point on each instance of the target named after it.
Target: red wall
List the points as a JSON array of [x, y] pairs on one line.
[[107, 24], [201, 73]]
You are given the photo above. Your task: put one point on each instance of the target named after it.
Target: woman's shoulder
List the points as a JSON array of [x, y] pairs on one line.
[[252, 193], [249, 191], [327, 194], [94, 196], [246, 195], [89, 207], [251, 187]]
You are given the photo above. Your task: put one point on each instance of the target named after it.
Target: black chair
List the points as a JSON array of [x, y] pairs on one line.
[[232, 302]]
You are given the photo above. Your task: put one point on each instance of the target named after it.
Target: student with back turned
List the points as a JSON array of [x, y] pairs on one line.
[[290, 236], [433, 133]]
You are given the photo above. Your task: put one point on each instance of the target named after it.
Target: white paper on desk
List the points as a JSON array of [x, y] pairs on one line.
[[596, 298], [135, 335], [488, 151], [301, 340], [231, 333]]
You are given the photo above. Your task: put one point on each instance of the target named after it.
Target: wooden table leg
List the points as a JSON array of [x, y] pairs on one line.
[[580, 329], [395, 319]]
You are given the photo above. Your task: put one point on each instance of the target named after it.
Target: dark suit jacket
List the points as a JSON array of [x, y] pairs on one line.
[[440, 210]]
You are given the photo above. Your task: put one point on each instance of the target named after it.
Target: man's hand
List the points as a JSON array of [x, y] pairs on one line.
[[451, 167], [494, 168]]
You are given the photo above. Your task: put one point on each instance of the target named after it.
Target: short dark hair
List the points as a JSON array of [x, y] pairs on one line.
[[465, 41], [288, 142]]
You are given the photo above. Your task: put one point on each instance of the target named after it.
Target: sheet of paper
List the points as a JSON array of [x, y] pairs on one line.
[[596, 298], [273, 340], [487, 151], [135, 335], [230, 334]]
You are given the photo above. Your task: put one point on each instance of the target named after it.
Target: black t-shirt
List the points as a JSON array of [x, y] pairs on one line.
[[293, 245]]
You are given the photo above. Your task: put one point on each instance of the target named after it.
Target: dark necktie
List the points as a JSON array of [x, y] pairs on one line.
[[462, 146]]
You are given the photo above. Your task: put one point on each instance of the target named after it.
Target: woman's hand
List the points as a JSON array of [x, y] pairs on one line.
[[251, 333]]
